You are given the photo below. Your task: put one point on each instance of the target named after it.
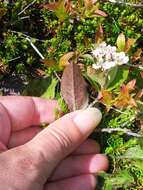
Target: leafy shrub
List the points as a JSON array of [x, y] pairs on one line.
[[45, 37]]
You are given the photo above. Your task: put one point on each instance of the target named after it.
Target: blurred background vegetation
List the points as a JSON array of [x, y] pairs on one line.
[[54, 37]]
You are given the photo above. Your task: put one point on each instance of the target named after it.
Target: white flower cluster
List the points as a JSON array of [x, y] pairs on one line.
[[108, 57]]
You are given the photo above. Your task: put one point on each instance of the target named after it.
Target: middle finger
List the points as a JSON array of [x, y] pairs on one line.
[[78, 165]]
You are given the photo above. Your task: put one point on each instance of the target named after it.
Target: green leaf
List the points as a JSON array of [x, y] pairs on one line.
[[111, 76], [58, 8], [61, 11], [140, 141], [62, 105], [134, 153], [138, 164], [92, 82], [50, 91], [121, 179], [121, 42], [97, 76], [44, 87], [140, 107], [117, 77], [88, 57], [108, 186]]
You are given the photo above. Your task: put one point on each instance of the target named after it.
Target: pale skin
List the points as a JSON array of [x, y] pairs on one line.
[[60, 157]]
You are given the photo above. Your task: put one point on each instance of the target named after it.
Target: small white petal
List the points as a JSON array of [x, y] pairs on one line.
[[100, 60], [114, 49], [112, 1], [103, 44], [119, 63], [122, 55], [108, 57], [95, 53], [96, 66], [114, 55], [126, 59], [107, 65]]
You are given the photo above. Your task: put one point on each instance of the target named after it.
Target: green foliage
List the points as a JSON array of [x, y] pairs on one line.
[[53, 37], [62, 105], [120, 179], [131, 159], [121, 42], [125, 153], [50, 92], [116, 77], [45, 88], [122, 18], [124, 119]]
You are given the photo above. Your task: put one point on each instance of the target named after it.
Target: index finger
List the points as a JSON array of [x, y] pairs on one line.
[[23, 112]]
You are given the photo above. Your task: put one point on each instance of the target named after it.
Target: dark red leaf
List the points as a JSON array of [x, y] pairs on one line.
[[100, 13], [74, 88]]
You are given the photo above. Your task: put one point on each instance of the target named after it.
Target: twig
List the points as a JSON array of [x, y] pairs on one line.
[[119, 111], [127, 122], [130, 157], [136, 66], [39, 53], [34, 47], [93, 103], [25, 17], [112, 130], [14, 59], [25, 35], [29, 5], [115, 109], [28, 38], [127, 4], [55, 73]]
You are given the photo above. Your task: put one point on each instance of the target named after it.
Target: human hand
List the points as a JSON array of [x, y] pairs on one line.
[[56, 158]]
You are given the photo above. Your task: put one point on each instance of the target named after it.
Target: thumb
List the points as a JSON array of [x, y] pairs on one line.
[[60, 138]]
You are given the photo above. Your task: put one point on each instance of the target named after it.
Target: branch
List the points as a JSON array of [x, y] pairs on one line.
[[112, 130], [35, 48], [140, 67], [25, 35], [29, 5], [93, 103], [14, 59], [28, 38], [42, 57], [127, 4]]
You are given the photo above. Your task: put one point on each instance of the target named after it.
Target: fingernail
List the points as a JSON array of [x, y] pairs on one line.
[[88, 119], [98, 162]]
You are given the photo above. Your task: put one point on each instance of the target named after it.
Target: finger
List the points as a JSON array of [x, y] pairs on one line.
[[84, 182], [90, 146], [21, 137], [2, 147], [23, 112], [5, 125], [79, 165], [63, 136]]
